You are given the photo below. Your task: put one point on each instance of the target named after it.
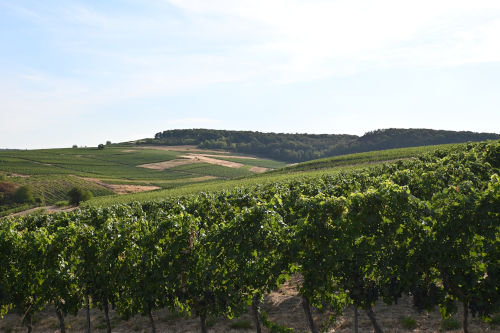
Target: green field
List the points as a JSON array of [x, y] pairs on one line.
[[302, 171], [51, 173]]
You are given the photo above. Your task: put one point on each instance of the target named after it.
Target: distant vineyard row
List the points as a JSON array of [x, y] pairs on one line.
[[427, 227]]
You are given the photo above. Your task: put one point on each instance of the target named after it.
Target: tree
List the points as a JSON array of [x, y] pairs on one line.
[[100, 146], [108, 143], [24, 194], [77, 195], [75, 146]]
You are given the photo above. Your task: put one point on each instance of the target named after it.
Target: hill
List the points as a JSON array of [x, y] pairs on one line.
[[300, 172], [51, 173], [304, 147]]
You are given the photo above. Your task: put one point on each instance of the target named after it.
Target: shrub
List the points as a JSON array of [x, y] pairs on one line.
[[24, 194], [409, 323], [495, 321], [100, 146], [77, 195], [449, 324], [7, 190]]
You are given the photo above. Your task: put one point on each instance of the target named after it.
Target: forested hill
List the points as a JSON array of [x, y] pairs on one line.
[[304, 147]]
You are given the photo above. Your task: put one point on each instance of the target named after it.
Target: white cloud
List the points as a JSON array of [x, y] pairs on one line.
[[109, 56], [324, 38]]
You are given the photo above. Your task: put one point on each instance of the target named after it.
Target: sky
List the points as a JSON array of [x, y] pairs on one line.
[[85, 72]]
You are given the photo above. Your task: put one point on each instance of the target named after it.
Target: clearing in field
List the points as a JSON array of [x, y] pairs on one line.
[[190, 159], [258, 169], [124, 188]]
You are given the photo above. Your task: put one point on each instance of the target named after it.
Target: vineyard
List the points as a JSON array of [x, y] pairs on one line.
[[427, 228], [117, 169]]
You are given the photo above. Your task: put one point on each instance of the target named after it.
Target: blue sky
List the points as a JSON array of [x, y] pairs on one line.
[[83, 72]]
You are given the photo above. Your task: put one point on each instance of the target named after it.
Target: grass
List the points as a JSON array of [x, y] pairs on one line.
[[205, 169], [264, 163], [409, 323], [51, 173], [212, 186], [449, 324], [364, 158], [16, 209], [495, 320], [241, 325], [171, 316]]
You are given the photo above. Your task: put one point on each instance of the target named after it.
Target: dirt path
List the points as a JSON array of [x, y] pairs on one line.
[[47, 209]]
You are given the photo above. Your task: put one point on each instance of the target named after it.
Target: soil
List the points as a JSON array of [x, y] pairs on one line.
[[123, 188], [18, 175], [283, 307], [191, 159], [47, 209], [258, 169]]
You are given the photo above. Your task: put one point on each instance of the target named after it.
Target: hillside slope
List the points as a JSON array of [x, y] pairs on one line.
[[51, 173], [304, 147]]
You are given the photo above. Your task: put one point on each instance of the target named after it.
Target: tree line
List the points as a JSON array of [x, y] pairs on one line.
[[304, 147], [427, 227]]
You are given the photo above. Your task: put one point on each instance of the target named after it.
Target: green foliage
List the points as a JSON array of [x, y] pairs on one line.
[[428, 227], [100, 146], [24, 194], [241, 325], [77, 195], [303, 147], [7, 190], [449, 324], [274, 327], [211, 322], [61, 203], [409, 323], [495, 320]]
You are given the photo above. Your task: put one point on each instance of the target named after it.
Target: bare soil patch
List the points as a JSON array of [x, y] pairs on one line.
[[47, 209], [123, 188], [126, 189], [190, 159], [258, 169], [167, 164], [205, 159], [129, 150], [18, 175]]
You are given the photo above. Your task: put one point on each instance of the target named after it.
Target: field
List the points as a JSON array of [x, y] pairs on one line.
[[306, 170], [397, 240], [126, 173], [51, 173]]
